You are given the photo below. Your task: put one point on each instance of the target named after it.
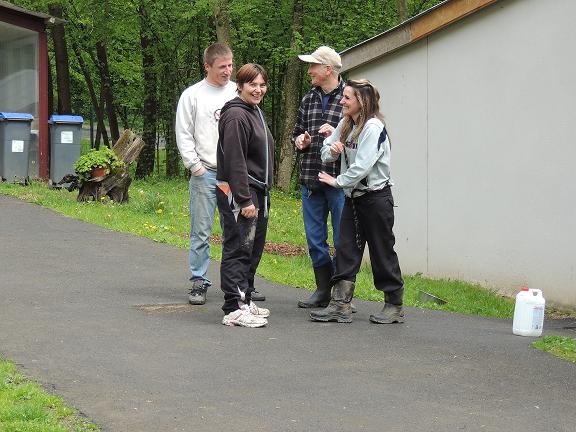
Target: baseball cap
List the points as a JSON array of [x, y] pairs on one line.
[[324, 56]]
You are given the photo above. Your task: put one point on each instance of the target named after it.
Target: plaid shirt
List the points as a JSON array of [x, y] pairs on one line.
[[311, 116]]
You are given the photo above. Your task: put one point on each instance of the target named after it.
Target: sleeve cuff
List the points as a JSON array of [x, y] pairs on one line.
[[195, 167]]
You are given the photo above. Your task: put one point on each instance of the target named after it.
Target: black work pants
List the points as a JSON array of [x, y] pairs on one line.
[[243, 242], [369, 218]]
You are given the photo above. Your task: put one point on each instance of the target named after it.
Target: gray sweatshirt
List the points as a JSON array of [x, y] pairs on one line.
[[367, 159]]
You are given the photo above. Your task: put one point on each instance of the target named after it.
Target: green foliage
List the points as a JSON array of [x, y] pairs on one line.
[[260, 31], [102, 158], [560, 346]]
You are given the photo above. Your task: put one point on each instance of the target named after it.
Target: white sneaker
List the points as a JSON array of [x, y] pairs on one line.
[[258, 311], [243, 318]]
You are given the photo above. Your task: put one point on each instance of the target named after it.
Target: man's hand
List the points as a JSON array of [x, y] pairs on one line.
[[336, 148], [327, 178], [303, 141], [199, 171], [326, 130], [249, 212]]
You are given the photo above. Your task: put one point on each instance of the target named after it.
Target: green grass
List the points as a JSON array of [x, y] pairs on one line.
[[27, 407], [560, 346], [158, 209]]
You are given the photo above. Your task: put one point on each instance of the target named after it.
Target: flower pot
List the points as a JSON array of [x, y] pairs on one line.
[[99, 172]]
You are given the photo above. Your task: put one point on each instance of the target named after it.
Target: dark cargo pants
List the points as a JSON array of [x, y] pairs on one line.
[[243, 242], [369, 218]]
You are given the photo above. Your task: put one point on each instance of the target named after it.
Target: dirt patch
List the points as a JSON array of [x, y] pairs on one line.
[[166, 307], [282, 249], [556, 314]]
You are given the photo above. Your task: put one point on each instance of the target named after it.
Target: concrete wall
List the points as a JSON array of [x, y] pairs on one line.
[[481, 118]]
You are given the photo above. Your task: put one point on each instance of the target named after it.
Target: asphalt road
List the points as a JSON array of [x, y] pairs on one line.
[[101, 319]]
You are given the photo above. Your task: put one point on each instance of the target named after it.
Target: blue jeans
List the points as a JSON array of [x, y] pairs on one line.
[[202, 210], [315, 208]]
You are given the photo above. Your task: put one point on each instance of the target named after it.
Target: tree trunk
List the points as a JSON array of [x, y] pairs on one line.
[[170, 92], [172, 155], [106, 83], [402, 10], [145, 165], [102, 126], [62, 64], [96, 143], [291, 100], [90, 85], [222, 21], [123, 114]]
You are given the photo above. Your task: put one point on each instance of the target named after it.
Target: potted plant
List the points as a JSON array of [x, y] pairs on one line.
[[97, 163]]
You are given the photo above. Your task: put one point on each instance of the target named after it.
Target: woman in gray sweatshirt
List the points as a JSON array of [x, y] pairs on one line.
[[361, 143]]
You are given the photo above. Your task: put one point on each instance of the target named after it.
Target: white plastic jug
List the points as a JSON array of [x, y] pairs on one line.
[[529, 313]]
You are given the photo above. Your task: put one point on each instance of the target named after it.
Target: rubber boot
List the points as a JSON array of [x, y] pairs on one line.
[[338, 309], [392, 312], [320, 297]]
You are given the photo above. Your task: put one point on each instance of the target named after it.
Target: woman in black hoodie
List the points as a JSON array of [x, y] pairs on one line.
[[245, 160]]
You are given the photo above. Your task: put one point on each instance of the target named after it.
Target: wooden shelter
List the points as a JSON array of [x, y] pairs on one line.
[[24, 78]]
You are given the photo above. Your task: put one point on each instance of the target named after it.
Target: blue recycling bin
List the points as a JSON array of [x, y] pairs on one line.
[[15, 145], [65, 139]]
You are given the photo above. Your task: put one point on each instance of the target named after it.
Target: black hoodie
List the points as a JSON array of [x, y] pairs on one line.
[[242, 149]]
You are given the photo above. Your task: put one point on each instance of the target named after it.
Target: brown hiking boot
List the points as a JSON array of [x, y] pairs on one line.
[[389, 314], [338, 309]]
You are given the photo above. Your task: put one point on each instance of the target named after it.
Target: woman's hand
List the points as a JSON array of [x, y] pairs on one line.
[[336, 148], [327, 178], [249, 212], [326, 130]]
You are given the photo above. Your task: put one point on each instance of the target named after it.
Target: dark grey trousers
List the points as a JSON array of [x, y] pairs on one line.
[[242, 246], [369, 219]]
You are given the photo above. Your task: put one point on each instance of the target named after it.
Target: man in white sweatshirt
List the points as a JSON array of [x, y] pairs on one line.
[[197, 118]]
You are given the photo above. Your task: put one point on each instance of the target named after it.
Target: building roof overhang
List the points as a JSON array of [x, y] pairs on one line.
[[45, 19], [410, 31]]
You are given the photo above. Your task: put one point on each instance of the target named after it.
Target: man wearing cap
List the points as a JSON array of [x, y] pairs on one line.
[[319, 113]]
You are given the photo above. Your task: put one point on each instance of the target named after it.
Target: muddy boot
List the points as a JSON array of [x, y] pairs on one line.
[[392, 312], [320, 297], [338, 309]]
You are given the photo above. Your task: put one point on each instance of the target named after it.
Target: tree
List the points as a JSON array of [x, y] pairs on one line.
[[62, 63], [145, 165], [222, 21], [402, 8], [92, 92], [106, 88], [292, 85], [108, 76]]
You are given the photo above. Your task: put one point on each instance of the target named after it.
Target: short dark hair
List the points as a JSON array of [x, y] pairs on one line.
[[216, 50], [249, 72]]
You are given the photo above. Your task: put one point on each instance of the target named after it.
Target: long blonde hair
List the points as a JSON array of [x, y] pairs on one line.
[[369, 101]]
